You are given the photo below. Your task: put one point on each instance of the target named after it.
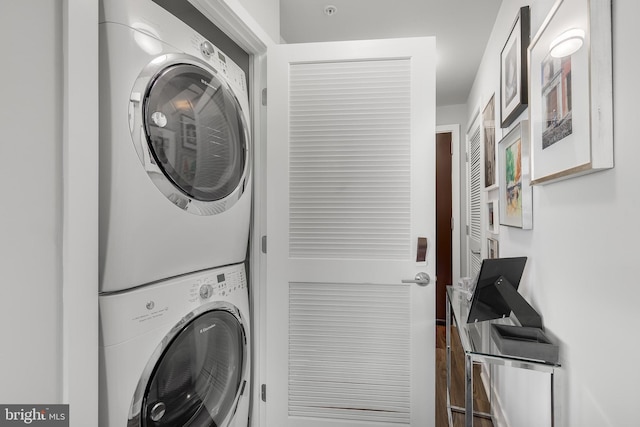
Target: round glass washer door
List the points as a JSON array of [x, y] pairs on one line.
[[197, 378], [191, 133]]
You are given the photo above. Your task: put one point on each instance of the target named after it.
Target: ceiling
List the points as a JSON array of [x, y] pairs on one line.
[[461, 27]]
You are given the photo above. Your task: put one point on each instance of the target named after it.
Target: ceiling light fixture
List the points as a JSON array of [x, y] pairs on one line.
[[330, 10], [567, 43]]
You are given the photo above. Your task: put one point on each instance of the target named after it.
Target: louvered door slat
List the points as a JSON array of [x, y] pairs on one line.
[[349, 347], [349, 155], [475, 193]]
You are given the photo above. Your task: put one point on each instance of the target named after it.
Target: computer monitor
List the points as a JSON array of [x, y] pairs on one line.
[[488, 302]]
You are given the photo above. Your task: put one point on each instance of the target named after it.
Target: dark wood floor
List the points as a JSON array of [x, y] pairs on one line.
[[481, 403]]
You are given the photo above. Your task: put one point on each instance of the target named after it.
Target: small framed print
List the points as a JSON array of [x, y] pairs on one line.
[[492, 248], [492, 217]]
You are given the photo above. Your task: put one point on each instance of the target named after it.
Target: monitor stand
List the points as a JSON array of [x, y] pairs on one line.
[[526, 315]]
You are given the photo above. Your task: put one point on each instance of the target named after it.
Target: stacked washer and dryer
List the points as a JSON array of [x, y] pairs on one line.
[[175, 205]]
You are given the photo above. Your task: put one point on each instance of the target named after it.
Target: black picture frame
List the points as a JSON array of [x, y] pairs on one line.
[[514, 69], [188, 132]]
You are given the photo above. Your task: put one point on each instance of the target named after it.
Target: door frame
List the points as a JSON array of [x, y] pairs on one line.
[[78, 233], [454, 129]]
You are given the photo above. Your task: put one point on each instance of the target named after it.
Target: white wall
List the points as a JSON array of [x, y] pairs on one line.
[[266, 13], [48, 300], [582, 256], [452, 114], [31, 208]]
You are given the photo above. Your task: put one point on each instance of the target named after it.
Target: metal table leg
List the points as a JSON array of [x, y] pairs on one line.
[[448, 335], [468, 371], [553, 399]]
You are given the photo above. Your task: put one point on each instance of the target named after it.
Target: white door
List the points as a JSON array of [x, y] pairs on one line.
[[350, 190]]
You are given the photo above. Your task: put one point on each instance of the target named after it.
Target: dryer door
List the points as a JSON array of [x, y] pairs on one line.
[[197, 375], [191, 134]]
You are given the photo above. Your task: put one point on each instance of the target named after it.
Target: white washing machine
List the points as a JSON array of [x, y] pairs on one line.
[[177, 353], [175, 153]]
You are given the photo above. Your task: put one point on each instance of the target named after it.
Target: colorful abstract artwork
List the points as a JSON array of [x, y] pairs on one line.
[[515, 201], [513, 179]]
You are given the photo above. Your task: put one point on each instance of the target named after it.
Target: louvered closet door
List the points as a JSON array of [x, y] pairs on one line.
[[351, 187], [475, 194]]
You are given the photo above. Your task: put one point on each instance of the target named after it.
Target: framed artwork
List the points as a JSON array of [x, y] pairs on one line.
[[570, 90], [513, 69], [187, 167], [515, 190], [492, 217], [492, 248], [189, 133], [489, 141]]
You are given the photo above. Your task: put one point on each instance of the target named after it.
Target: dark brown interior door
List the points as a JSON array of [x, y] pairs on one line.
[[443, 221]]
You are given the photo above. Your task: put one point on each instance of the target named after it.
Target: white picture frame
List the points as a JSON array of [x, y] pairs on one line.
[[515, 193], [493, 248], [570, 98]]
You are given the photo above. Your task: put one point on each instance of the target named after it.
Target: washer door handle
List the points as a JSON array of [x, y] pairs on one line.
[[157, 411]]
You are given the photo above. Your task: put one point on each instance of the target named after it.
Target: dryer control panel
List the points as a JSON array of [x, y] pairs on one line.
[[220, 62]]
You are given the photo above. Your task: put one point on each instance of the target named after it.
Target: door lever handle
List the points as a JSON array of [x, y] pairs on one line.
[[421, 279]]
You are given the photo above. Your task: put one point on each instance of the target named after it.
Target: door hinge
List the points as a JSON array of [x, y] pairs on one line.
[[467, 230], [263, 392], [452, 224], [263, 244], [264, 97]]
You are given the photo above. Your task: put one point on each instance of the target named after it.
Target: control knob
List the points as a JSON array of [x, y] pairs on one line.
[[207, 49], [206, 291]]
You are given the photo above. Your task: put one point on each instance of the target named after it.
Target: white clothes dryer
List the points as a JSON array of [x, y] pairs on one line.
[[177, 353], [175, 152]]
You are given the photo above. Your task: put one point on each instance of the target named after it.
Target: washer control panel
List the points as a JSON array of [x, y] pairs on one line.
[[131, 313], [221, 284]]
